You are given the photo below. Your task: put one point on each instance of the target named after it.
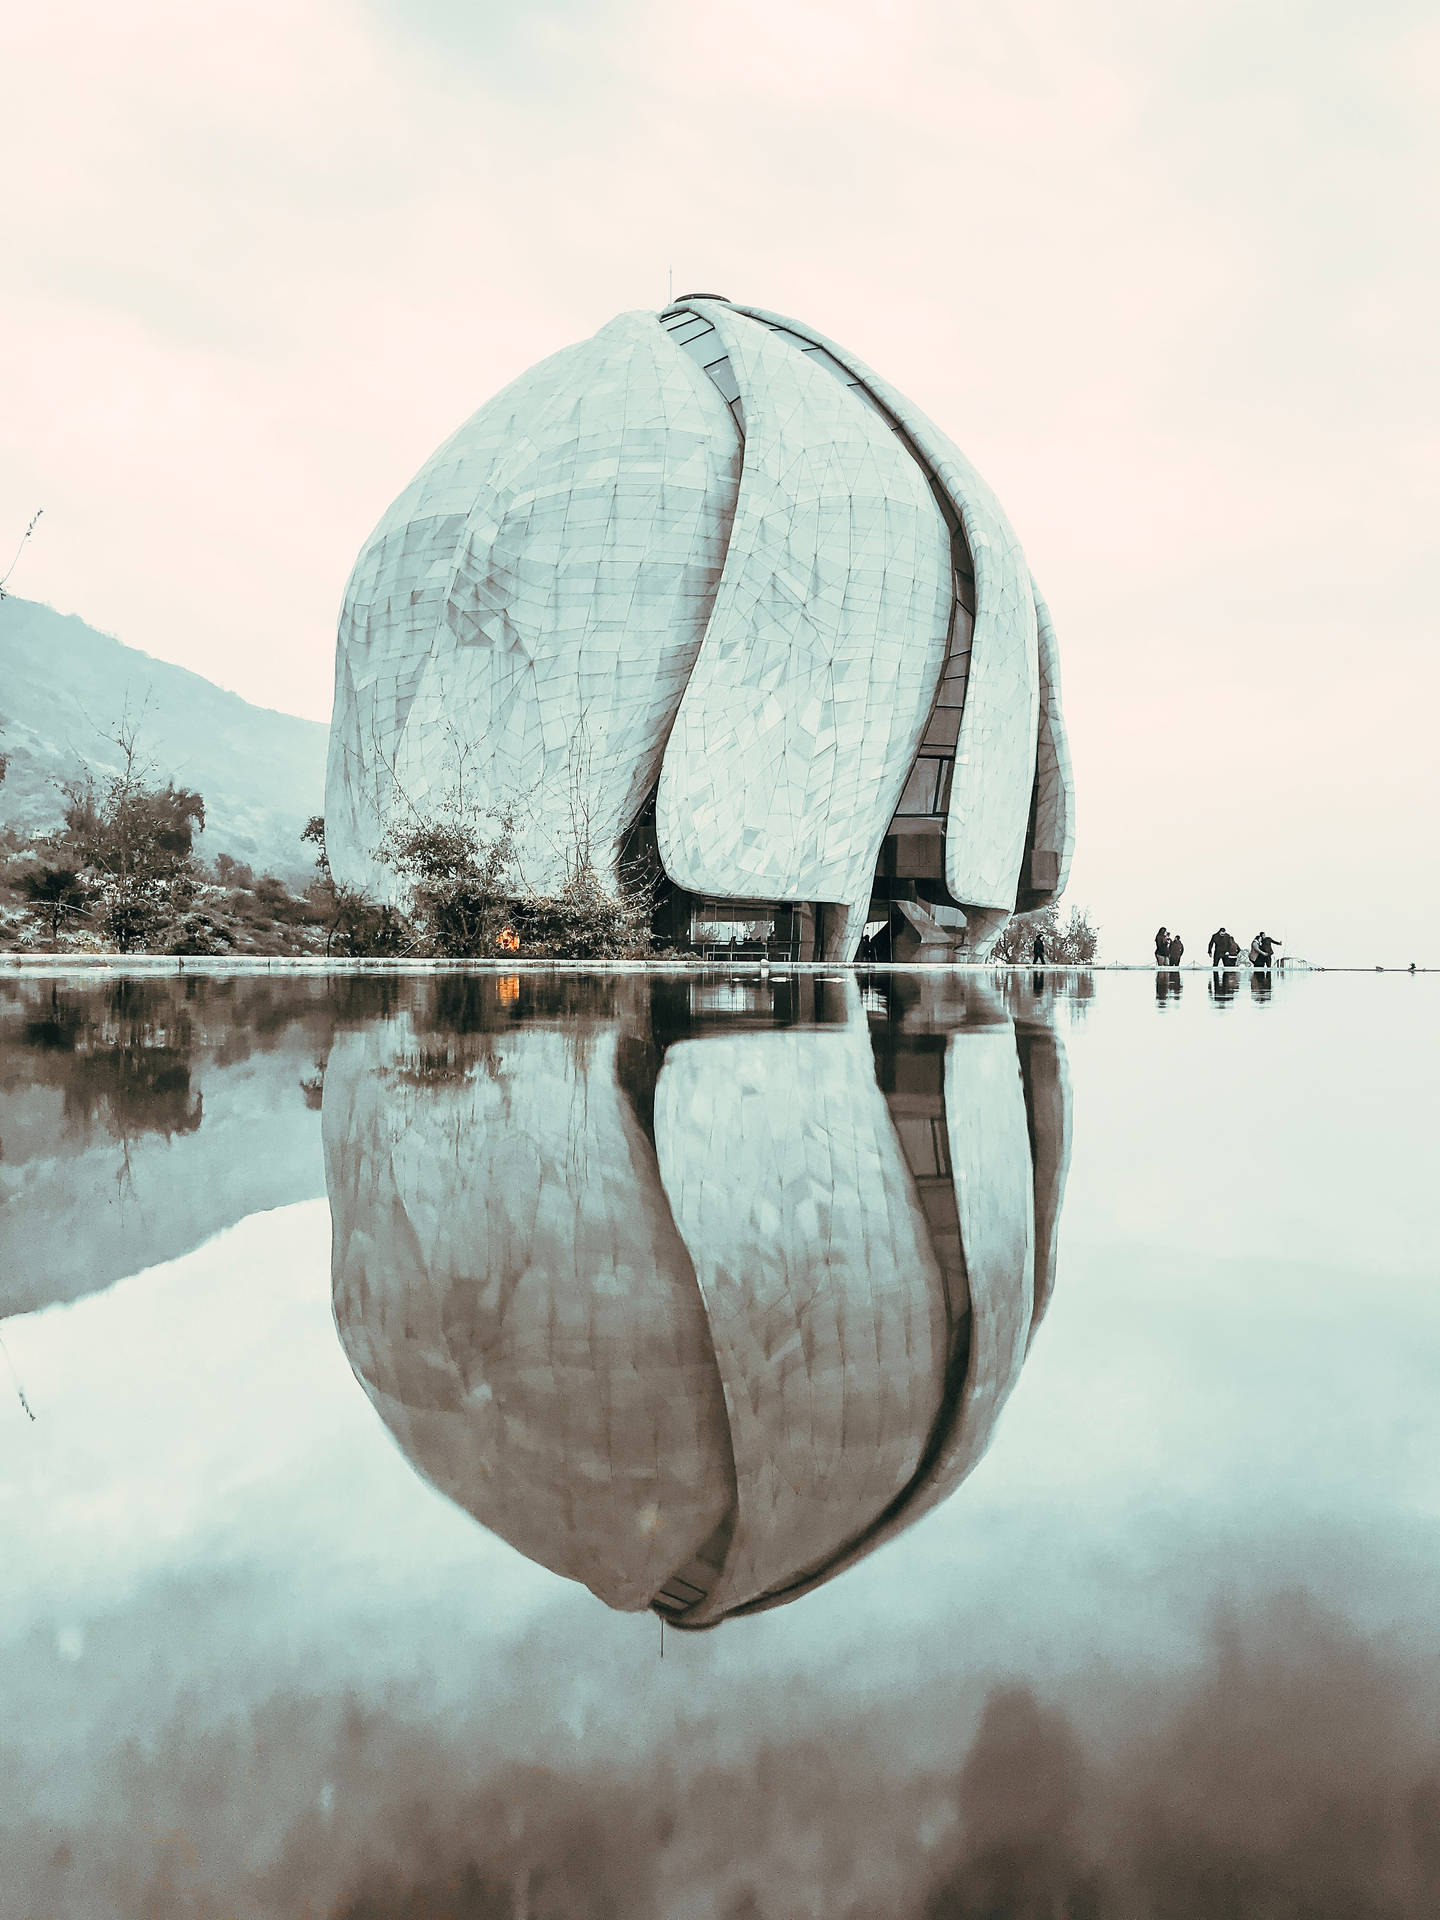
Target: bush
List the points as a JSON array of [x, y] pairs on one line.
[[199, 933], [53, 892], [132, 840], [587, 921], [465, 900]]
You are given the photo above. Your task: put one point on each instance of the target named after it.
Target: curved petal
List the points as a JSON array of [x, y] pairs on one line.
[[520, 627], [824, 647], [1051, 844], [989, 806]]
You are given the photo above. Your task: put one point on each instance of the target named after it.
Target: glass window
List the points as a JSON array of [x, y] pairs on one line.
[[923, 790]]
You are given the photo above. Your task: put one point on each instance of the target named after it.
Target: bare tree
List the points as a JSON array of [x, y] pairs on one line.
[[132, 840], [5, 577]]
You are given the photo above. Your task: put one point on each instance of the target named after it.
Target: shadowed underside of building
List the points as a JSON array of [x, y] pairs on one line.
[[706, 593]]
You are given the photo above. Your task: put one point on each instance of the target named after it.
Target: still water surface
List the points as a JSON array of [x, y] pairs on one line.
[[989, 1380]]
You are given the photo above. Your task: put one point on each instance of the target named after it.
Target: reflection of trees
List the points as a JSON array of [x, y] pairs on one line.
[[139, 1114], [120, 1059], [124, 1053]]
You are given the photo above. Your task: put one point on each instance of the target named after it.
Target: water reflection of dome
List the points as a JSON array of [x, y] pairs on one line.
[[697, 1308]]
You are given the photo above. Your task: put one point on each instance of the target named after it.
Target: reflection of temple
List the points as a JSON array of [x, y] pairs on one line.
[[699, 1296]]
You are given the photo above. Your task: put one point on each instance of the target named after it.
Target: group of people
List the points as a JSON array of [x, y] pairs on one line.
[[1223, 948]]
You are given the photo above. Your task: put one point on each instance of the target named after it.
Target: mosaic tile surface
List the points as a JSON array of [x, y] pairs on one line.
[[989, 807], [519, 628], [824, 647]]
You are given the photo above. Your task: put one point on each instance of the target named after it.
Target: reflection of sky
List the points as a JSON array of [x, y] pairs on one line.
[[1236, 1369]]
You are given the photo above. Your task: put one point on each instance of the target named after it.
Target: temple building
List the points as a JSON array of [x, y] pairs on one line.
[[705, 593]]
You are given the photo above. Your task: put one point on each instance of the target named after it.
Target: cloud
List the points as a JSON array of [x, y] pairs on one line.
[[1170, 281]]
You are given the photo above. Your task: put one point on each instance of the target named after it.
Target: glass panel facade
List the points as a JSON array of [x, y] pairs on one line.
[[927, 791], [699, 339]]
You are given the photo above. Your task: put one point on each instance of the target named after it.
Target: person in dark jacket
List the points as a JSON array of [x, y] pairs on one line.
[[1177, 950], [1037, 952], [1162, 947], [1221, 945], [1262, 951]]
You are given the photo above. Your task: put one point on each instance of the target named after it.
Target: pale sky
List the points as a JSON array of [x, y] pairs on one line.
[[1169, 275]]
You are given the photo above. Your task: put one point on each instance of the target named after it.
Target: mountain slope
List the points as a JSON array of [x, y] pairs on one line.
[[63, 687]]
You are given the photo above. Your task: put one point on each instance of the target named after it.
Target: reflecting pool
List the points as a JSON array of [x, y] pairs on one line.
[[663, 1444]]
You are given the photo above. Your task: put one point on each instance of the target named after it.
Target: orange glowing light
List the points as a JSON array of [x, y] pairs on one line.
[[508, 987], [507, 940]]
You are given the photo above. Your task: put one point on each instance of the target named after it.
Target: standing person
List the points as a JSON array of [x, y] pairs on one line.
[[1177, 950], [1220, 944], [1162, 947], [1267, 943], [1037, 952]]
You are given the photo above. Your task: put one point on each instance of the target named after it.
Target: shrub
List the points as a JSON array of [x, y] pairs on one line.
[[586, 920], [466, 900]]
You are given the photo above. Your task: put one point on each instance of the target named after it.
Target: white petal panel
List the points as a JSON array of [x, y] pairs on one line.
[[994, 764], [520, 627], [824, 647], [826, 1306], [1053, 834]]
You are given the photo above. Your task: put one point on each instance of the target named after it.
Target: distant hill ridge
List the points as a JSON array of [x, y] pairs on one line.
[[63, 686]]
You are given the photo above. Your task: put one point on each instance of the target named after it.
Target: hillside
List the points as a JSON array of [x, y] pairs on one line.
[[63, 686]]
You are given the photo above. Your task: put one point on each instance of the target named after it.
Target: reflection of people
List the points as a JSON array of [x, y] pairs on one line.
[[1177, 950], [1168, 985], [1224, 986], [698, 1315], [1162, 947]]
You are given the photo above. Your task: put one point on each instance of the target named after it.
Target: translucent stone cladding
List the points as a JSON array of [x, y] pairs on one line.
[[824, 648], [711, 556], [519, 628], [993, 784]]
